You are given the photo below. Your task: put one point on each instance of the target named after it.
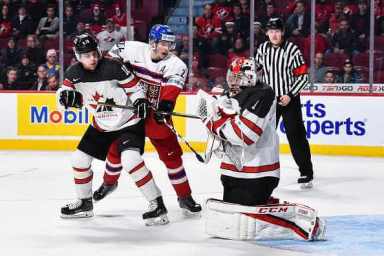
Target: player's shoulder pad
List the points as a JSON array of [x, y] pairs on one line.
[[73, 71], [175, 66], [259, 99], [134, 46], [112, 62], [114, 67]]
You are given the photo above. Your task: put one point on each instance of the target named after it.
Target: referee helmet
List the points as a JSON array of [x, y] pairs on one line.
[[275, 23]]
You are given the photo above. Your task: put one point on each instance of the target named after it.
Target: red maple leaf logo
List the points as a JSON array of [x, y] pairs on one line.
[[96, 98]]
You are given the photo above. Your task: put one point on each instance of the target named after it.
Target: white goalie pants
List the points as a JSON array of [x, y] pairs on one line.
[[276, 221]]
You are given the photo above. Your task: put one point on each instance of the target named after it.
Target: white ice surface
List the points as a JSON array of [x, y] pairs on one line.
[[34, 185]]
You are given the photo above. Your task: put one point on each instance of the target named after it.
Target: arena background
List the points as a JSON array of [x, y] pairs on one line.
[[346, 124]]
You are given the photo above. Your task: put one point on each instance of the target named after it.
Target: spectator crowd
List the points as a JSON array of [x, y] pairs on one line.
[[29, 37], [341, 39]]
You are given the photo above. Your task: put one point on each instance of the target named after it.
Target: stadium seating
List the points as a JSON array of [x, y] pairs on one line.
[[378, 76], [379, 43], [214, 72], [3, 42], [335, 59], [217, 60], [364, 72]]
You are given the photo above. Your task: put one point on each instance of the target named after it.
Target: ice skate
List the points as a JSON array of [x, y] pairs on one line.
[[189, 206], [157, 214], [82, 208], [305, 182], [103, 191]]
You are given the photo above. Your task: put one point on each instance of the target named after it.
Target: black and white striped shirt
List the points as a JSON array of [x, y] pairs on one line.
[[284, 68]]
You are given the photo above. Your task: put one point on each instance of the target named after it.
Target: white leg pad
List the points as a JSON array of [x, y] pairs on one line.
[[280, 221]]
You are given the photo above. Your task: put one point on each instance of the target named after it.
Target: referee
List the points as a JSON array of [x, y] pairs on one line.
[[285, 71]]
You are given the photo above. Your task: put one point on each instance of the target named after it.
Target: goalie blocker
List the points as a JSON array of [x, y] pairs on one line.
[[275, 221]]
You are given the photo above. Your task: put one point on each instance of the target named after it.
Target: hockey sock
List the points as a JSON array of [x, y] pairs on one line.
[[178, 179], [81, 164], [112, 166], [135, 166]]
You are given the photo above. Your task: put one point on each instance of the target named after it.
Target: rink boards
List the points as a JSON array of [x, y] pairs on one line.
[[336, 124]]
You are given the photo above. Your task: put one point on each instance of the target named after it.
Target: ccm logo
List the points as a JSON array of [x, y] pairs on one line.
[[273, 209]]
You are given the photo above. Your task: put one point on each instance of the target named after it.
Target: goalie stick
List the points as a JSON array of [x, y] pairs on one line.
[[160, 112]]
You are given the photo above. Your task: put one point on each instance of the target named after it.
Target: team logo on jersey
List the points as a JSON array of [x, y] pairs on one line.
[[106, 108], [153, 94], [152, 91], [96, 98]]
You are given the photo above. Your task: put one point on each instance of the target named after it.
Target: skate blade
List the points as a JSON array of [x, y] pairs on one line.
[[157, 221], [189, 214], [87, 214], [307, 185]]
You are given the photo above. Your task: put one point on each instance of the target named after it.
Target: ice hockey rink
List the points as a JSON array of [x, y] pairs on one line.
[[34, 185]]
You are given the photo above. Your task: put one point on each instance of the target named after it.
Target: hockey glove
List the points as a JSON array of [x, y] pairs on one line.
[[141, 106], [227, 106], [163, 111], [70, 98]]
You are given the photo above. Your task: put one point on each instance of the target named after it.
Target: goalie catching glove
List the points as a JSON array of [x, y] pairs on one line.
[[224, 108], [69, 98]]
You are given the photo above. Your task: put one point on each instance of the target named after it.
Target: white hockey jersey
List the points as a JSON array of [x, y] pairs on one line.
[[162, 80], [111, 82], [250, 141]]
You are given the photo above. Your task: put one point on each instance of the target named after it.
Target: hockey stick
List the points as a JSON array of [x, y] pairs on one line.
[[157, 111], [198, 156]]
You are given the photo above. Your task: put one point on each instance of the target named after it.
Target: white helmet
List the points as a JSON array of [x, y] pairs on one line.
[[241, 73]]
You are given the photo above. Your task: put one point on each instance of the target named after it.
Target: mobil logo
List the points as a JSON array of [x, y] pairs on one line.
[[46, 115]]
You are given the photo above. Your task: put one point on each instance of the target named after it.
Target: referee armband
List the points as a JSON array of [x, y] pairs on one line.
[[301, 70]]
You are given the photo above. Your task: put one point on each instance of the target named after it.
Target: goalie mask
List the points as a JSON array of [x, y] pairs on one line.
[[241, 73]]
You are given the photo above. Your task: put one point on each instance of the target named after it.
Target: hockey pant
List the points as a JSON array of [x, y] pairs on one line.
[[274, 221], [170, 154]]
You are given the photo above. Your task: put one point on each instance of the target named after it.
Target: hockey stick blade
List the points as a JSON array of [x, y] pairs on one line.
[[160, 112], [200, 158]]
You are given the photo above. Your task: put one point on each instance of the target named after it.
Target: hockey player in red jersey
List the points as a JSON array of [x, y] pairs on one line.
[[163, 76], [93, 80], [243, 125]]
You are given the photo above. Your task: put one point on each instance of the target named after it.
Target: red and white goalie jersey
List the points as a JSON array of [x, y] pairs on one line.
[[162, 80], [246, 128], [111, 82]]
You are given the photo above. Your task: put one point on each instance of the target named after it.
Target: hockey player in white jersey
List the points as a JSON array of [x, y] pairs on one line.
[[90, 81], [243, 123], [162, 75]]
